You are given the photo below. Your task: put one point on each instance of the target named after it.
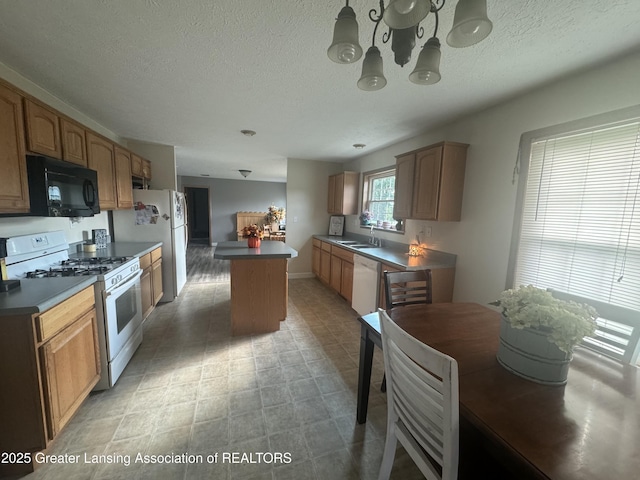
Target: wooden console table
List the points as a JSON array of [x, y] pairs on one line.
[[259, 285]]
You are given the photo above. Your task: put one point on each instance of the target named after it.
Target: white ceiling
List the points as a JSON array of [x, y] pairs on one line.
[[193, 73]]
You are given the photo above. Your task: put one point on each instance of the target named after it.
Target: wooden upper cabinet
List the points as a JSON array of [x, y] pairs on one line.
[[43, 130], [136, 165], [343, 193], [124, 189], [14, 194], [403, 198], [74, 145], [439, 182], [100, 157], [146, 169]]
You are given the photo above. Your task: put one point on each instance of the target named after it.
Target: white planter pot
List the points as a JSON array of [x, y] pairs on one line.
[[527, 353]]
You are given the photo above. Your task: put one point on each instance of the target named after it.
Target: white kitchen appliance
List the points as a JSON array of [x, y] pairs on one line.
[[158, 216], [366, 275], [117, 292]]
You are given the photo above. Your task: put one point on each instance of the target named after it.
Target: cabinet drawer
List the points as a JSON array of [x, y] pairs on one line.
[[326, 247], [64, 314], [156, 255], [317, 243], [145, 261], [343, 253]]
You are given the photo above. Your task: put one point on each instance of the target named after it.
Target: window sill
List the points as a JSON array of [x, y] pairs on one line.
[[380, 229]]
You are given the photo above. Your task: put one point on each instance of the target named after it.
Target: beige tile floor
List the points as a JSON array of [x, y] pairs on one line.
[[192, 388]]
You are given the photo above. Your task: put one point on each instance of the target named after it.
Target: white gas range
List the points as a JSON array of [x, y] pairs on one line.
[[117, 291]]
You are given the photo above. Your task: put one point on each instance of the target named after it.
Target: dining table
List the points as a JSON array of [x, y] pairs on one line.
[[586, 429]]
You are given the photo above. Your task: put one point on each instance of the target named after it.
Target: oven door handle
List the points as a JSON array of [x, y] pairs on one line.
[[125, 285]]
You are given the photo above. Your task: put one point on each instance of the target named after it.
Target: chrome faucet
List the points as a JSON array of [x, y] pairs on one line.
[[373, 240]]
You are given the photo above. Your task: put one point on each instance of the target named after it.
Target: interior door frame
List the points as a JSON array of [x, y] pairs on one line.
[[184, 190]]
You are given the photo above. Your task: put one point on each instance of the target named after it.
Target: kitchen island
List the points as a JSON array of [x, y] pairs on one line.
[[259, 285]]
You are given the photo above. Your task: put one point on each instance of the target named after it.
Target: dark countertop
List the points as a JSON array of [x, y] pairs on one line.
[[35, 295], [39, 294], [116, 249], [240, 251], [396, 254]]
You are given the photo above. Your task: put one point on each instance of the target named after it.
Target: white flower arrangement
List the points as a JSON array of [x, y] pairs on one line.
[[565, 323]]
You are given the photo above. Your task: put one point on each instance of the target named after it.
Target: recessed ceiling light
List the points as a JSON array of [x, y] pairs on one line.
[[205, 175], [359, 146], [248, 133]]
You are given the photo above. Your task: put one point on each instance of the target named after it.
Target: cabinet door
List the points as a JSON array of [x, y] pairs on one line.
[[14, 194], [146, 292], [70, 369], [325, 266], [43, 130], [74, 148], [124, 189], [100, 156], [336, 273], [315, 261], [346, 284], [156, 274], [136, 165], [146, 169], [331, 195], [427, 184], [403, 198]]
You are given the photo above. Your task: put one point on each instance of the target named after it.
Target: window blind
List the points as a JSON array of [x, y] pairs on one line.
[[580, 224]]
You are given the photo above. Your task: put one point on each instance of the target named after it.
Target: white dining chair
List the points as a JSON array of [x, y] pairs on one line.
[[422, 404]]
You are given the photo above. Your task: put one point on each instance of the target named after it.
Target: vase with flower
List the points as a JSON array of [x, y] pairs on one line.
[[274, 216], [253, 234], [538, 333], [365, 217]]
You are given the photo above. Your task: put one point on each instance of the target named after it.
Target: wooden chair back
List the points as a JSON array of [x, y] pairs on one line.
[[422, 404], [407, 288]]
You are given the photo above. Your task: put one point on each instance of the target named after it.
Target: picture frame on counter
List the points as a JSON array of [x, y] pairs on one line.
[[336, 225]]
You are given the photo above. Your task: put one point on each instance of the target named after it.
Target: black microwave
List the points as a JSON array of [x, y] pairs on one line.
[[61, 189]]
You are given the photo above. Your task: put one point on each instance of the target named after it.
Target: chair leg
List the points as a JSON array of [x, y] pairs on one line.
[[389, 452], [383, 387]]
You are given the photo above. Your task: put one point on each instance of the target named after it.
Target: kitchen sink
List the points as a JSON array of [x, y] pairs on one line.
[[347, 242], [362, 245]]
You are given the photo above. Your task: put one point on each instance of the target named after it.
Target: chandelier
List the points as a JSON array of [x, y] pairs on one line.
[[403, 17]]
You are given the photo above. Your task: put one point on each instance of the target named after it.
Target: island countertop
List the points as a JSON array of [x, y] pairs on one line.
[[240, 251]]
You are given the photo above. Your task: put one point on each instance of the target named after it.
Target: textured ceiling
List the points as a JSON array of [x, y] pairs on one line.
[[193, 73]]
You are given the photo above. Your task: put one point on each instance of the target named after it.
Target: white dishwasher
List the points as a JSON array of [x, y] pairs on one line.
[[366, 274]]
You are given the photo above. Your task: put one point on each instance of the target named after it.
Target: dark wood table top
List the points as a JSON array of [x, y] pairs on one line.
[[587, 429]]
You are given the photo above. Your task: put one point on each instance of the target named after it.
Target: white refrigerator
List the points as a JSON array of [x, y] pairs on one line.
[[159, 216]]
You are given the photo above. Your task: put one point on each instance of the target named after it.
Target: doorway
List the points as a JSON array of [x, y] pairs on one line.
[[198, 215]]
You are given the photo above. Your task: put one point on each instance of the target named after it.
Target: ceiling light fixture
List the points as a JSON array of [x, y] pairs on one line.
[[248, 133], [245, 173], [470, 26], [359, 146]]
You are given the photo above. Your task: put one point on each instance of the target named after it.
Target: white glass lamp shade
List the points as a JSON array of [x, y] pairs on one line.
[[427, 71], [470, 24], [406, 13], [372, 77], [345, 47]]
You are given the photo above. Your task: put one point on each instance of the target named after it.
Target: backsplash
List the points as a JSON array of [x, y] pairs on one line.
[[74, 232]]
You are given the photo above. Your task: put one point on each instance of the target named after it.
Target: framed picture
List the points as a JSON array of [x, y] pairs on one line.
[[336, 225]]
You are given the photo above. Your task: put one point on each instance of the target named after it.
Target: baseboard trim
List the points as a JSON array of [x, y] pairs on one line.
[[294, 276]]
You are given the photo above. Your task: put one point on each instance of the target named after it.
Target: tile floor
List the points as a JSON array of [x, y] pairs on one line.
[[191, 388]]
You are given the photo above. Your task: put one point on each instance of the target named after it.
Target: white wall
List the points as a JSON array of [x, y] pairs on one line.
[[307, 185], [482, 239]]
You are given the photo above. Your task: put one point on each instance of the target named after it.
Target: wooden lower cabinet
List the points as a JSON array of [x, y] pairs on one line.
[[334, 266], [49, 362], [70, 365], [151, 280], [325, 263]]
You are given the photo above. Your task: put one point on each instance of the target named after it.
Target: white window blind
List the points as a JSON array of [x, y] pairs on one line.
[[580, 225]]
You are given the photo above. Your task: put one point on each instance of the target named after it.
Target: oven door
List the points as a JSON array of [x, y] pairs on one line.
[[122, 313]]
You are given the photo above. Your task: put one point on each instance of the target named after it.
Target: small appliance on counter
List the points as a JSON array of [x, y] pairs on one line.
[[5, 283]]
